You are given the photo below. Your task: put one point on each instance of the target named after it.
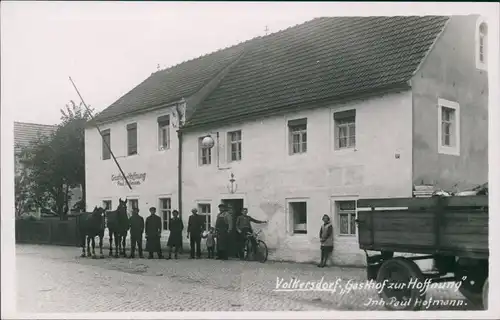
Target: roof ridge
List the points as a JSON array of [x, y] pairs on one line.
[[227, 54], [241, 43], [197, 58], [37, 124], [317, 45], [318, 61]]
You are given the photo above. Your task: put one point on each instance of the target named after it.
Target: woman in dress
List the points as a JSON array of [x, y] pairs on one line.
[[222, 232]]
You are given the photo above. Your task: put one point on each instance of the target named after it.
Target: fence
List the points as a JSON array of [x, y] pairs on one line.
[[48, 231], [57, 232]]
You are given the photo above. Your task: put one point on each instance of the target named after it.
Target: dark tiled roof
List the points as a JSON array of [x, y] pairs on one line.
[[172, 84], [325, 58], [26, 133]]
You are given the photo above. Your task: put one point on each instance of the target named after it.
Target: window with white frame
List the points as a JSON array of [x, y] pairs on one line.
[[346, 213], [298, 216], [482, 45], [106, 144], [131, 139], [164, 132], [165, 212], [449, 127], [297, 131], [447, 124], [205, 210], [345, 129], [106, 204], [234, 139], [132, 204], [205, 153]]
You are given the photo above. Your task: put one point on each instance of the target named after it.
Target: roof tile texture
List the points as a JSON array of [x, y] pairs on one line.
[[26, 133], [325, 58], [322, 59], [172, 84]]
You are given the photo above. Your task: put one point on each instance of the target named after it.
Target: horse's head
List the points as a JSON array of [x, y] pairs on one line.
[[99, 215], [122, 205]]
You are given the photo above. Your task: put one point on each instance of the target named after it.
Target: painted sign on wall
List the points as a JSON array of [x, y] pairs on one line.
[[134, 178]]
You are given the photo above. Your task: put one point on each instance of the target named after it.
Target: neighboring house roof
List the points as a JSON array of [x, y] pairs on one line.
[[171, 85], [323, 59], [26, 133]]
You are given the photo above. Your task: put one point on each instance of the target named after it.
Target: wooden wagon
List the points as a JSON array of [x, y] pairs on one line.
[[452, 231]]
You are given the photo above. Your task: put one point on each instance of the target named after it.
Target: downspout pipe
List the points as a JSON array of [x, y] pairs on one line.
[[180, 123], [179, 172]]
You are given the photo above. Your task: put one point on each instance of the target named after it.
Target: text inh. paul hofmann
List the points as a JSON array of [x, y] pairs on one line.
[[338, 286]]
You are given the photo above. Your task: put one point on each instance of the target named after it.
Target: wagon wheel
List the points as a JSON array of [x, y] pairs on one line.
[[397, 293], [472, 287], [485, 294]]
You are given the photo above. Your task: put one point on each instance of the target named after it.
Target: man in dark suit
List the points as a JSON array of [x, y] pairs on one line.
[[153, 234], [136, 223], [175, 238], [194, 230]]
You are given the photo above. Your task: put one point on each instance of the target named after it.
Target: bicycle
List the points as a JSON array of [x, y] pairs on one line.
[[255, 254]]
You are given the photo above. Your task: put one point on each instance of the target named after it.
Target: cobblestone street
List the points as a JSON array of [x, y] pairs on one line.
[[56, 279]]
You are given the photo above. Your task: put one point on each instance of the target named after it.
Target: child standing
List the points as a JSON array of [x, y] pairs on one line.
[[210, 236], [326, 239]]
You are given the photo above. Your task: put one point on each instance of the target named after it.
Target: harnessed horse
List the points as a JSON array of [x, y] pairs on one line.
[[118, 225], [91, 225]]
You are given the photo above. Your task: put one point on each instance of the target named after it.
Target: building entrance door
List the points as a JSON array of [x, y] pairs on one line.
[[235, 206]]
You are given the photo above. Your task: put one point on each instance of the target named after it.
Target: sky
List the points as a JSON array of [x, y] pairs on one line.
[[109, 48]]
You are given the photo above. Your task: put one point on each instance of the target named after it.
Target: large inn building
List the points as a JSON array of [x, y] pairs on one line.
[[301, 123]]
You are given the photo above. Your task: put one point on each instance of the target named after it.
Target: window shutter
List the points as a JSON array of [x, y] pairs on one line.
[[164, 120], [132, 138], [344, 114], [297, 122], [106, 139]]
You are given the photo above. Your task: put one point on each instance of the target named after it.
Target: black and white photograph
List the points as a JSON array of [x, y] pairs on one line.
[[216, 159]]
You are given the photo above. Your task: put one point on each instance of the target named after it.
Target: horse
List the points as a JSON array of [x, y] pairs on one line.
[[91, 225], [118, 225]]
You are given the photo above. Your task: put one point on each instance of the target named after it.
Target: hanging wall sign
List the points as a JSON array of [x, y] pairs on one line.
[[134, 179]]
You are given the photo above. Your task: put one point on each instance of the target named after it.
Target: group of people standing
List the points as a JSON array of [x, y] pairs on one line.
[[152, 228], [228, 236]]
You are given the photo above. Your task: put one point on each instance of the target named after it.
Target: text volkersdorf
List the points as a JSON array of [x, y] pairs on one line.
[[295, 284], [133, 178]]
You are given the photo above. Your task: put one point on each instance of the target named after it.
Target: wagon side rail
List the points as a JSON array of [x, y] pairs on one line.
[[424, 203], [455, 226]]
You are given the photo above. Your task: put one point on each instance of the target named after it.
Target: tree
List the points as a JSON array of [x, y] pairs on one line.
[[72, 139], [29, 193], [23, 201], [57, 163]]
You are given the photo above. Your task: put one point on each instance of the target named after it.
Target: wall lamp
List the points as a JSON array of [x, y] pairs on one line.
[[208, 142]]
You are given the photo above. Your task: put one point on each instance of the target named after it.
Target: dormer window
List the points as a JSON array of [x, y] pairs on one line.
[[482, 45]]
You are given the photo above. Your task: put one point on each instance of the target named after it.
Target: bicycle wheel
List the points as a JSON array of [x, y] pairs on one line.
[[261, 251]]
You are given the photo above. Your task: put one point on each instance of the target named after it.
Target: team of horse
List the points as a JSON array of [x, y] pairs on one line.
[[93, 224]]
